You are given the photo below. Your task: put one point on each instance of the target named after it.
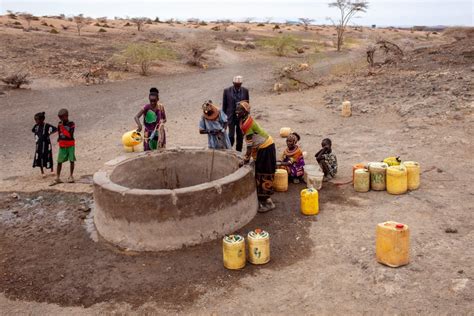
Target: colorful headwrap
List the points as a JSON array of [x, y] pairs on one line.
[[246, 105], [214, 114]]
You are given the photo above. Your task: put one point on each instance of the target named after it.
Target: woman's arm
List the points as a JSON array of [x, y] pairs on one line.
[[137, 119]]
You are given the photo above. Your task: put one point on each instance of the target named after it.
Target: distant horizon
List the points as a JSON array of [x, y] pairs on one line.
[[383, 13]]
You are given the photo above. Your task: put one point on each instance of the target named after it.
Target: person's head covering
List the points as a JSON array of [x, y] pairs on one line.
[[63, 112], [40, 116], [154, 91], [237, 79], [246, 105], [210, 115], [293, 137]]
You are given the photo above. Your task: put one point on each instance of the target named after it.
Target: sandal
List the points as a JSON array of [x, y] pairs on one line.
[[70, 180], [56, 181]]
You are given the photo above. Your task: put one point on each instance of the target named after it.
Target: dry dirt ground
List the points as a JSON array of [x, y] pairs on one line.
[[52, 262]]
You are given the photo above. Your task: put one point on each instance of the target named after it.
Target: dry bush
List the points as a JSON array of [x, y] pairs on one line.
[[101, 30], [17, 79], [80, 21], [64, 27], [195, 50], [102, 19], [54, 31], [139, 22], [244, 28], [11, 15], [281, 44], [144, 55]]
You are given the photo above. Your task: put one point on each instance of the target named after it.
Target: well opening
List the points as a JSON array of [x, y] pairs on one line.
[[174, 170]]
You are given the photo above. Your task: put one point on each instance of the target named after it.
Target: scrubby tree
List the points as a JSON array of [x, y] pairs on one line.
[[195, 51], [17, 79], [248, 20], [80, 21], [306, 22], [139, 22], [347, 9], [281, 44], [28, 18], [102, 19], [144, 55], [268, 19]]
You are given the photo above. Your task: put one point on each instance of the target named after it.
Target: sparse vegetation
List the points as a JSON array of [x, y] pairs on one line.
[[28, 17], [195, 51], [306, 22], [144, 55], [281, 44], [80, 21], [54, 31], [17, 79], [102, 30], [139, 22], [348, 9]]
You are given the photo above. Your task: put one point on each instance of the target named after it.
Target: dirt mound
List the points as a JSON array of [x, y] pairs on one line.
[[431, 82]]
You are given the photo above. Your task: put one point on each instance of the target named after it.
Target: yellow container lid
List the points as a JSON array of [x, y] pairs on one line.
[[282, 171]]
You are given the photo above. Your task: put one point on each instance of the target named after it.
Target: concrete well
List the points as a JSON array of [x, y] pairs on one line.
[[165, 200]]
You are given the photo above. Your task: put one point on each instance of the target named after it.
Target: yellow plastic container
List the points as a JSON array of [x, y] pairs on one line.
[[285, 131], [309, 201], [132, 138], [361, 180], [258, 246], [392, 161], [413, 174], [392, 245], [128, 149], [280, 182], [233, 251], [346, 110], [378, 173], [397, 179]]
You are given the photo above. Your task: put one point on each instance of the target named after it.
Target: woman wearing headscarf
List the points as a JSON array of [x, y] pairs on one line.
[[292, 158], [154, 119], [214, 124], [261, 148]]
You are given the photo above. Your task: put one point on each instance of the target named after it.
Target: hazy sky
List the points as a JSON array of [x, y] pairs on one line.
[[381, 12]]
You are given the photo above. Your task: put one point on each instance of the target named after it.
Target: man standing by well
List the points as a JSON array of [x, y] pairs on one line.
[[232, 96]]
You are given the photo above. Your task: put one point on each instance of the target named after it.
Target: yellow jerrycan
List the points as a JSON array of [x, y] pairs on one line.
[[132, 138], [397, 180], [392, 161], [259, 246], [128, 149], [233, 250], [392, 245], [346, 110], [285, 131], [280, 182], [413, 174], [309, 201], [361, 180]]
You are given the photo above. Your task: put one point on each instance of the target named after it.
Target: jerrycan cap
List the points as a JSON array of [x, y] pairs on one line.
[[399, 226]]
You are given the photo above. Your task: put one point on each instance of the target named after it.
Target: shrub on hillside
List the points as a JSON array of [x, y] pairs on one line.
[[144, 55], [17, 79], [281, 44], [195, 51]]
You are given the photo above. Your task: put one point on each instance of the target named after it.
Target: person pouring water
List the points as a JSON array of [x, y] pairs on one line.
[[154, 119]]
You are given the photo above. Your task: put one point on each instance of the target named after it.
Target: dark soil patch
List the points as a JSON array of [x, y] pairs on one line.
[[48, 256]]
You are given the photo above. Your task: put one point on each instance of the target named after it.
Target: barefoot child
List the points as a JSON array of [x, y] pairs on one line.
[[66, 144], [44, 151], [292, 158], [327, 159]]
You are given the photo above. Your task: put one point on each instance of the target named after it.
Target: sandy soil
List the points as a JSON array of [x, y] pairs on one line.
[[323, 264]]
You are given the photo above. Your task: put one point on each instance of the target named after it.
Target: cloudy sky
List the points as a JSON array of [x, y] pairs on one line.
[[381, 12]]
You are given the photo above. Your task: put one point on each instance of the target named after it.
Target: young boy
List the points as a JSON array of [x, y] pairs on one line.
[[66, 145], [327, 160]]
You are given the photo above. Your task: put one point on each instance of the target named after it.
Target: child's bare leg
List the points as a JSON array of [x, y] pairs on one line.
[[58, 173], [42, 171], [71, 170]]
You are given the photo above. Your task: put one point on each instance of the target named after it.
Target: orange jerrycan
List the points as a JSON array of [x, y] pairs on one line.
[[357, 166], [392, 245]]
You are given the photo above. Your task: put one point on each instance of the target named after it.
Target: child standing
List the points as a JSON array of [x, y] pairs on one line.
[[292, 158], [44, 151], [327, 159], [214, 124], [66, 144]]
